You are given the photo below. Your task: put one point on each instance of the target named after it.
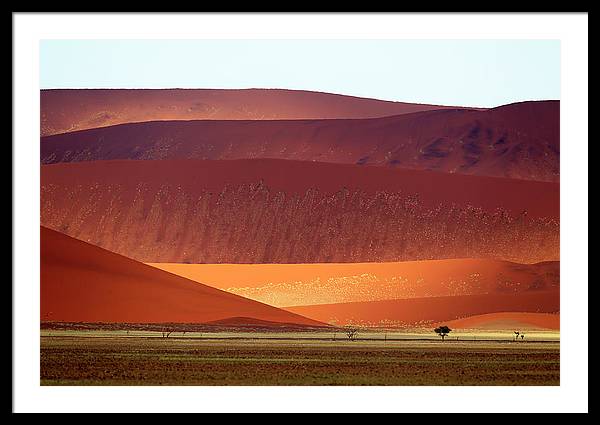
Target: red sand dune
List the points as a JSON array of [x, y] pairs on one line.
[[517, 141], [283, 285], [424, 311], [274, 211], [83, 283], [79, 109], [512, 320]]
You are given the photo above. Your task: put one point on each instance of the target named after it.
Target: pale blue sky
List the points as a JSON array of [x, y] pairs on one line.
[[452, 72]]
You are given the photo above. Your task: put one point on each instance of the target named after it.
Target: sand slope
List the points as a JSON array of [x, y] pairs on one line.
[[517, 141], [275, 211], [425, 311], [83, 283], [283, 285], [513, 320], [78, 109]]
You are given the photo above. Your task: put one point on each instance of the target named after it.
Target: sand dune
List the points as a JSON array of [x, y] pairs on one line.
[[513, 320], [83, 283], [68, 110], [283, 285], [275, 211], [517, 141], [425, 311]]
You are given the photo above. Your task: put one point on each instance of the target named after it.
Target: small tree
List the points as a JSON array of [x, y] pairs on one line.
[[442, 331], [351, 332], [516, 335], [522, 336]]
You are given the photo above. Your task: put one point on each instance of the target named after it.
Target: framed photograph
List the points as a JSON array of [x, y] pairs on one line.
[[235, 207]]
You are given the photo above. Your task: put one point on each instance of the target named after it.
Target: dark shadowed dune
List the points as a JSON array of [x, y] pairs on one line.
[[518, 141]]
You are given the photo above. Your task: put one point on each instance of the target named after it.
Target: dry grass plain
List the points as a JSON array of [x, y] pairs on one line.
[[145, 358]]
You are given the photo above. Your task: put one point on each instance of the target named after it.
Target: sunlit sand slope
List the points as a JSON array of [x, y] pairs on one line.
[[305, 284]]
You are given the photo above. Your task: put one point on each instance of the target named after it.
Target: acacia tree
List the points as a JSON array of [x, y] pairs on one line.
[[442, 331], [351, 332]]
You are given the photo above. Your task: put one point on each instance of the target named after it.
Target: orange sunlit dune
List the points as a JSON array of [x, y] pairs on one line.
[[307, 284], [508, 320]]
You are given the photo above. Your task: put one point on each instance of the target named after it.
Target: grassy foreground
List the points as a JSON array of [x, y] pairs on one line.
[[75, 358]]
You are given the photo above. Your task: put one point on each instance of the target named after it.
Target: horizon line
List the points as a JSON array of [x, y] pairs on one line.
[[302, 90]]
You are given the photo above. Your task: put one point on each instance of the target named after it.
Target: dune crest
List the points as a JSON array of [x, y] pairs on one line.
[[79, 109]]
